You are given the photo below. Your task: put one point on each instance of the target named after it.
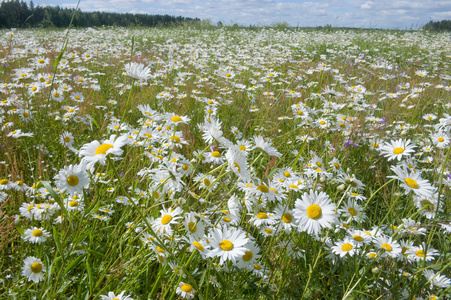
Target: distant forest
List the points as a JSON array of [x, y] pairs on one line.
[[18, 14], [444, 25]]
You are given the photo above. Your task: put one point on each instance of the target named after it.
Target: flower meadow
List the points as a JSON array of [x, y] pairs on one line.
[[225, 163]]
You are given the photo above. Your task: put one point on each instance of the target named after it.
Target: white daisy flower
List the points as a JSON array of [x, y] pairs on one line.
[[112, 296], [397, 149], [185, 290], [35, 235], [412, 181], [228, 244], [314, 212], [73, 179], [33, 269], [96, 152], [137, 71]]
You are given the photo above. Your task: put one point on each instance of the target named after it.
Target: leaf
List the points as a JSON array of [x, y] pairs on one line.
[[20, 229], [57, 239], [73, 264], [90, 277], [57, 60], [55, 196]]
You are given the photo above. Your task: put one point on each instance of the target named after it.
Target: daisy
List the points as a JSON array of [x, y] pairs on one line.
[[314, 212], [200, 245], [66, 139], [175, 119], [359, 236], [249, 257], [73, 179], [112, 296], [345, 247], [397, 149], [391, 248], [162, 225], [137, 71], [237, 161], [185, 290], [266, 146], [422, 252], [352, 211], [96, 152], [35, 235], [228, 244], [440, 139], [193, 226], [33, 269], [285, 218], [411, 181], [262, 218], [436, 279], [410, 227]]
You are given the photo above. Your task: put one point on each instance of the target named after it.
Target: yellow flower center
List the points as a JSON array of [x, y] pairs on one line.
[[175, 139], [420, 253], [216, 154], [346, 247], [198, 246], [440, 139], [73, 203], [176, 119], [187, 288], [257, 267], [352, 211], [387, 247], [398, 150], [287, 218], [411, 183], [36, 267], [322, 122], [159, 249], [268, 230], [248, 256], [102, 149], [37, 232], [166, 219], [372, 255], [263, 188], [242, 148], [226, 245], [262, 215], [207, 182], [314, 212], [192, 226], [67, 139], [72, 180], [4, 182]]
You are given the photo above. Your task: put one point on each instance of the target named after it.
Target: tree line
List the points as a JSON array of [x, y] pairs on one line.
[[444, 25], [18, 14]]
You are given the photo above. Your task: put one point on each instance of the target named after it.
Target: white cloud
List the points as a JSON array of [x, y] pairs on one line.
[[351, 13]]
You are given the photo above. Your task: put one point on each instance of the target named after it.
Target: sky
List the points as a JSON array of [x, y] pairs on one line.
[[390, 14]]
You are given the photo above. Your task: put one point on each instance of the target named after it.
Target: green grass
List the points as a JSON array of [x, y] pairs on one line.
[[86, 257]]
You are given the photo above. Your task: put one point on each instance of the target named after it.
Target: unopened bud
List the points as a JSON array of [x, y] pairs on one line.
[[341, 187], [322, 179], [375, 270]]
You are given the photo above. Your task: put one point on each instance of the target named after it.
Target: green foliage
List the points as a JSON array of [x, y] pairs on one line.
[[444, 25], [15, 14]]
